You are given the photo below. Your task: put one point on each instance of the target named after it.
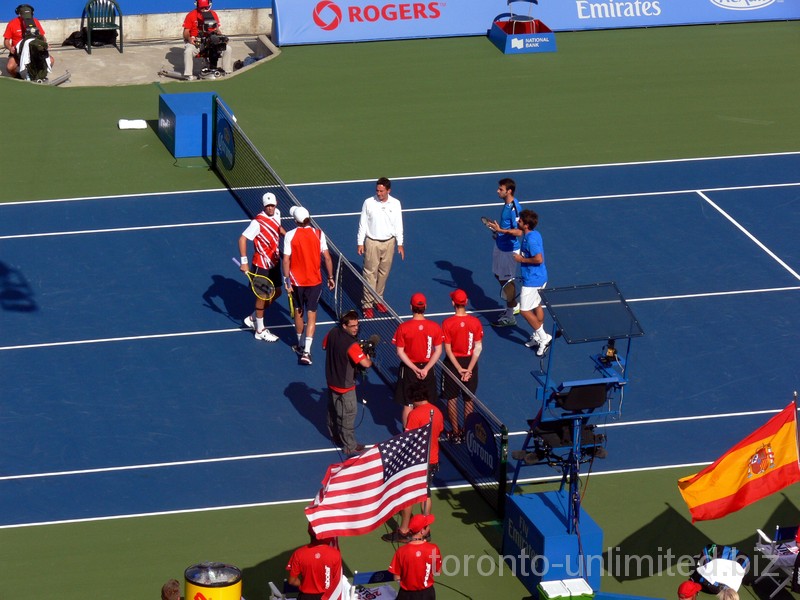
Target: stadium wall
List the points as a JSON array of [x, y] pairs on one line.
[[329, 21], [151, 19]]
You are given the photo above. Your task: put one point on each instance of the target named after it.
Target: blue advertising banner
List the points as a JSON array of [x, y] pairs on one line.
[[328, 21]]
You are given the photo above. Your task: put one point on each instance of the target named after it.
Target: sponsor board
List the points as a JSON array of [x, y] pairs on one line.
[[330, 21]]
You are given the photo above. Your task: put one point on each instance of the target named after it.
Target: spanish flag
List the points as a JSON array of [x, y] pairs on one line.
[[761, 464]]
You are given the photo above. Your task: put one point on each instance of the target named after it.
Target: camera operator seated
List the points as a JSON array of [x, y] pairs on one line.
[[202, 37], [24, 39]]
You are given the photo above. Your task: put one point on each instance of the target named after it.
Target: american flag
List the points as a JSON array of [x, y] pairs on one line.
[[363, 492]]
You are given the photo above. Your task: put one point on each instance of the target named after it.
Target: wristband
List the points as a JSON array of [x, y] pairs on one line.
[[244, 260]]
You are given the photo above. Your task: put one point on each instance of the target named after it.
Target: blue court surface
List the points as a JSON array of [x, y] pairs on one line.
[[129, 386]]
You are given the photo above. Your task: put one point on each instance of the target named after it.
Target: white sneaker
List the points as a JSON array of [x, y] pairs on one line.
[[265, 336], [544, 344], [532, 342], [249, 323], [516, 309], [505, 321]]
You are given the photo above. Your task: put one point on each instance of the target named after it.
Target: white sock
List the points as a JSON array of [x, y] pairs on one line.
[[307, 346], [260, 324], [510, 312], [300, 339], [540, 333]]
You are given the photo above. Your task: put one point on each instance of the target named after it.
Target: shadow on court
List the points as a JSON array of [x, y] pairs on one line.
[[16, 294]]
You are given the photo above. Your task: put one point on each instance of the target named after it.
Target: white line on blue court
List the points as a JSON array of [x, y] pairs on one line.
[[749, 235]]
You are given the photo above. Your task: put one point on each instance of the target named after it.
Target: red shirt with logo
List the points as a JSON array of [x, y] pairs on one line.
[[265, 233], [461, 332], [319, 567], [419, 338], [416, 565], [420, 416], [193, 20]]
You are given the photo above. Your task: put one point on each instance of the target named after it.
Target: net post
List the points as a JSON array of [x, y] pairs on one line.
[[502, 473], [214, 132]]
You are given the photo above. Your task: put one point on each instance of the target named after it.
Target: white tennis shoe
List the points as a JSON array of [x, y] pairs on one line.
[[265, 336], [248, 322], [544, 344]]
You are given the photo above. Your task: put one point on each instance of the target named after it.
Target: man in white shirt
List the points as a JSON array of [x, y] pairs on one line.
[[380, 229]]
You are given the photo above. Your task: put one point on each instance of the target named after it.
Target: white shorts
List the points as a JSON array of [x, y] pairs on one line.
[[504, 267], [529, 298]]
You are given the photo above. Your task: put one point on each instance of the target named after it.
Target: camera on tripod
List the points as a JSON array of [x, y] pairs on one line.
[[210, 43]]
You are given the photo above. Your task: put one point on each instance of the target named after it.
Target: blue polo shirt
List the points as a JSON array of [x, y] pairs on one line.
[[508, 220], [532, 275]]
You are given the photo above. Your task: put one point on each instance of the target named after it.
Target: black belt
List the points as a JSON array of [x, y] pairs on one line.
[[386, 240]]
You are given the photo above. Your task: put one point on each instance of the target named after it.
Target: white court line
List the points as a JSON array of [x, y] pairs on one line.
[[308, 500], [675, 419], [750, 235], [412, 210]]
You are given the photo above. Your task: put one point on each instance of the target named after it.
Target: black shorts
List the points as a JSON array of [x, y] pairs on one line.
[[274, 274], [307, 298], [450, 389], [426, 594], [406, 378]]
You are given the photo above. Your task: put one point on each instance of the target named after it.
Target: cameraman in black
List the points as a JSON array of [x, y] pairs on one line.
[[343, 355], [202, 36]]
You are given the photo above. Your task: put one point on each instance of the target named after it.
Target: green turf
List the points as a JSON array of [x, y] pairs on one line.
[[641, 514], [408, 108], [434, 106]]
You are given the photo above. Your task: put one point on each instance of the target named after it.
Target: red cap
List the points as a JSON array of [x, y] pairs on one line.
[[688, 589], [420, 522], [418, 300], [459, 297]]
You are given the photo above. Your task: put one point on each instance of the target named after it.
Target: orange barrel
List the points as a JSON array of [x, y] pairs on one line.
[[213, 581]]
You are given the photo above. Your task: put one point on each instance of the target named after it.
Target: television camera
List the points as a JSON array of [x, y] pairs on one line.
[[210, 43]]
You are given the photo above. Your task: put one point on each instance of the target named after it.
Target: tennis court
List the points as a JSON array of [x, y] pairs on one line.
[[136, 392]]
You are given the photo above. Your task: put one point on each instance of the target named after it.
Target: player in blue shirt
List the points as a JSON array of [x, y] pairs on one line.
[[506, 245], [534, 278]]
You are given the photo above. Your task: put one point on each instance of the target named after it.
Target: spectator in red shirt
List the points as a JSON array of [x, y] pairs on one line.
[[463, 335], [423, 413], [419, 346], [415, 564], [191, 31], [15, 31], [316, 568]]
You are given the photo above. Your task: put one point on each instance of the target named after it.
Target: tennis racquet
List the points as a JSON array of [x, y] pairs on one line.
[[261, 285], [514, 284], [291, 302], [488, 223]]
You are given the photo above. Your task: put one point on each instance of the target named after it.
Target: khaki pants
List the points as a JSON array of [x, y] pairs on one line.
[[190, 51], [378, 257]]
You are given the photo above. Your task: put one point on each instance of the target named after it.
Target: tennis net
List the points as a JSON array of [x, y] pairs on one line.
[[482, 456]]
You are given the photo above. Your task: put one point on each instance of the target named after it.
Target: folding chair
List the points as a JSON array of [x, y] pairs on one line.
[[288, 591], [101, 15], [781, 551]]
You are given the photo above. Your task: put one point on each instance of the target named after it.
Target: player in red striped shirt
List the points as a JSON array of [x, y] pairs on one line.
[[265, 232], [463, 335], [419, 346]]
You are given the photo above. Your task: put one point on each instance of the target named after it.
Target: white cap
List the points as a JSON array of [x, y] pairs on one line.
[[269, 199], [299, 213]]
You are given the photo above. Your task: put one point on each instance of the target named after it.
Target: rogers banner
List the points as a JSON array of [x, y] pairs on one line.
[[328, 21]]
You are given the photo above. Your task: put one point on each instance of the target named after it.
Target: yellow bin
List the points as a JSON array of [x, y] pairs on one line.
[[213, 581]]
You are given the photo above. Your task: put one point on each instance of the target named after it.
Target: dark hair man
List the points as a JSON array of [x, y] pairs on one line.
[[342, 354]]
